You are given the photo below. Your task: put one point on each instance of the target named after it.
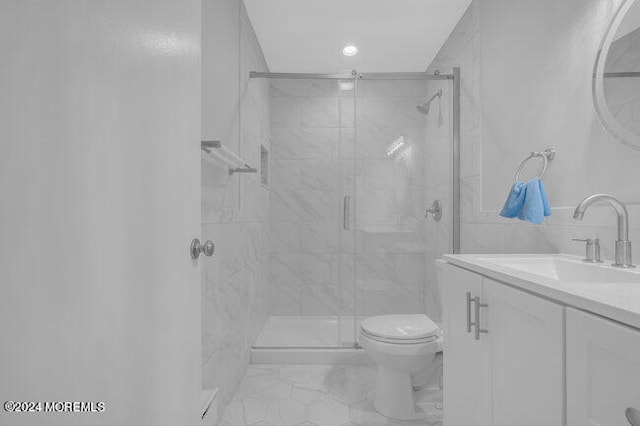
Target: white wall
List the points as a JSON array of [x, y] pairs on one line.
[[99, 197], [536, 83], [235, 208], [526, 85]]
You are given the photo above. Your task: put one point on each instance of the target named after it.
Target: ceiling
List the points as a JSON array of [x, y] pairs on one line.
[[392, 35]]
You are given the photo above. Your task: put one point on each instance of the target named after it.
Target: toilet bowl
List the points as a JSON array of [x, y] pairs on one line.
[[403, 347]]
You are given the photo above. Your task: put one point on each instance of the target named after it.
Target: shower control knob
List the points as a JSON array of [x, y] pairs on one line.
[[197, 248], [435, 210]]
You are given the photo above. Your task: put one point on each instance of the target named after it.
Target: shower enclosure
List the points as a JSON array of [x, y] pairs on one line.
[[355, 161]]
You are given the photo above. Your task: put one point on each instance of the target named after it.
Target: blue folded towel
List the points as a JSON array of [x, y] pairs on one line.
[[515, 200], [527, 201]]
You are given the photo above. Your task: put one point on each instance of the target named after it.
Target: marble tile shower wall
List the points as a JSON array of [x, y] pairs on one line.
[[310, 124], [438, 186], [235, 214], [390, 166], [483, 234], [318, 157]]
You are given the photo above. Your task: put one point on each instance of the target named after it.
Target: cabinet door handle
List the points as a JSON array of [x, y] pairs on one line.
[[469, 323], [633, 416], [479, 305]]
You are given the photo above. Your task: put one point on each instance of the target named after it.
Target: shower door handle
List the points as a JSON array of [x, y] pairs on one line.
[[346, 212]]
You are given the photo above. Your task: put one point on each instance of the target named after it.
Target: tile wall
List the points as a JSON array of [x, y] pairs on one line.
[[310, 124], [390, 165], [235, 209], [329, 143]]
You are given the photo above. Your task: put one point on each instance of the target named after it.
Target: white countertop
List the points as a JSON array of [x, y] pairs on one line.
[[617, 299]]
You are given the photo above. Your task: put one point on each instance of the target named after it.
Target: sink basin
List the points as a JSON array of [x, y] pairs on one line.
[[566, 269]]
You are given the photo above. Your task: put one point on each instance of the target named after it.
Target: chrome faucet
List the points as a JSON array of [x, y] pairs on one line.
[[623, 245]]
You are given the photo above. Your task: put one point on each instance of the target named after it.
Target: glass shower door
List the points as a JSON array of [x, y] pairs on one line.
[[347, 295], [402, 163], [354, 164], [312, 128]]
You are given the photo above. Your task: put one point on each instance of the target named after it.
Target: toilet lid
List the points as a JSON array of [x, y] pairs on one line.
[[401, 327]]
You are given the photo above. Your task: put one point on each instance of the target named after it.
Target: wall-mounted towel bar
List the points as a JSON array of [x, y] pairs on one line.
[[215, 151], [547, 155]]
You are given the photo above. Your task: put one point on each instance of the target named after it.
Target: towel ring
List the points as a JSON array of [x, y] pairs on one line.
[[546, 155]]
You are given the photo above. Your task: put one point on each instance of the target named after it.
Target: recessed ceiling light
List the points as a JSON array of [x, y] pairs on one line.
[[350, 50]]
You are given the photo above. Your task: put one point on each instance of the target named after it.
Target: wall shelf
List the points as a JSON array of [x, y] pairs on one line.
[[214, 151]]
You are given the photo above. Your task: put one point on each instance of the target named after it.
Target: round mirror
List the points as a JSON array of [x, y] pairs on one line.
[[616, 79]]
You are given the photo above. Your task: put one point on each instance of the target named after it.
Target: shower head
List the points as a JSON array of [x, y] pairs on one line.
[[425, 107]]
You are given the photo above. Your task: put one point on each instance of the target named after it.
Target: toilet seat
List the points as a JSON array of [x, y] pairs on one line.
[[399, 341], [401, 329]]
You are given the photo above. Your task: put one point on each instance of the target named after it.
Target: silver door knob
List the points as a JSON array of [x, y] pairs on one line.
[[197, 248]]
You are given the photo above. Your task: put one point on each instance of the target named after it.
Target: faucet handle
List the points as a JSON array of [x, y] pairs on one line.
[[592, 249], [598, 254]]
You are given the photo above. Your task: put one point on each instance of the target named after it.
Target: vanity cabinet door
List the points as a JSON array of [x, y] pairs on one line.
[[465, 379], [603, 371], [525, 349]]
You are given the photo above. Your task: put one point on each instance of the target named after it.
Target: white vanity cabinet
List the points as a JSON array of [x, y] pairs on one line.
[[466, 400], [512, 374], [560, 341], [525, 351], [603, 370]]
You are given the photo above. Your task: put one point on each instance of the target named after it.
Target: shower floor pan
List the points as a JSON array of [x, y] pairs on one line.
[[308, 340]]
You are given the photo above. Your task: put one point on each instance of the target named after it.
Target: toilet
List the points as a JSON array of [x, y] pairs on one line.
[[403, 347]]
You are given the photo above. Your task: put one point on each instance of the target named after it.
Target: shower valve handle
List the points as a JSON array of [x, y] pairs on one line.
[[435, 210]]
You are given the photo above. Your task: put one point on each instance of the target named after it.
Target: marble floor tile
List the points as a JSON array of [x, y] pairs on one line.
[[311, 395]]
